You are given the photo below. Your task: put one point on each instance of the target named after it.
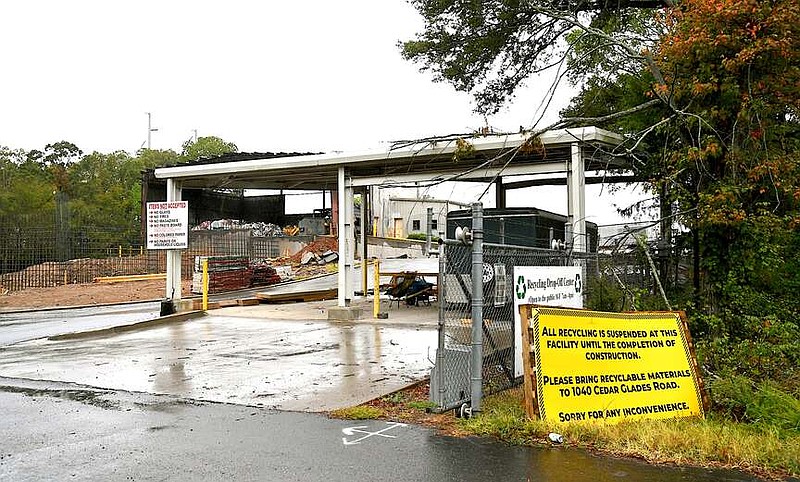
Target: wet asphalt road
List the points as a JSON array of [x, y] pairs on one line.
[[21, 326], [53, 431]]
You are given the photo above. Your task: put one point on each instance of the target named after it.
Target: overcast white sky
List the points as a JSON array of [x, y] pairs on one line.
[[269, 76]]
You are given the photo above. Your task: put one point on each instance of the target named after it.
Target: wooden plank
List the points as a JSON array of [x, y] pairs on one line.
[[705, 398], [528, 363], [135, 277], [247, 301], [316, 295]]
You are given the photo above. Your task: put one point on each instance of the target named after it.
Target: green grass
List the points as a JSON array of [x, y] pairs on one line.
[[421, 405], [715, 441], [360, 412]]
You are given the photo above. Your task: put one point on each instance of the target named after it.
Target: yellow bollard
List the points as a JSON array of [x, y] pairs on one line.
[[376, 289], [120, 250], [205, 284]]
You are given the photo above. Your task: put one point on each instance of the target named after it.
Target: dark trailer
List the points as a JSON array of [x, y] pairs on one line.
[[530, 227]]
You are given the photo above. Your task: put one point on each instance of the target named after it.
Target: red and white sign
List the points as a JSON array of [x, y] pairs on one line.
[[168, 225]]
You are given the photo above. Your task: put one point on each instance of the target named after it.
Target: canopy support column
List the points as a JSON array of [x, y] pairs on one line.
[[346, 238], [576, 200], [173, 285]]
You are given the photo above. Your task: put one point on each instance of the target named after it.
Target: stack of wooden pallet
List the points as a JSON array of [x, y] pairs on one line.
[[264, 274], [225, 273]]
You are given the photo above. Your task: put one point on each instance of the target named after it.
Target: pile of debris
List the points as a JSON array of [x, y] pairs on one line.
[[262, 230], [81, 270], [265, 274], [231, 273], [225, 273], [322, 250]]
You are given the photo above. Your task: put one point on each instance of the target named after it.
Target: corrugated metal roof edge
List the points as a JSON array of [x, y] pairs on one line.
[[240, 156]]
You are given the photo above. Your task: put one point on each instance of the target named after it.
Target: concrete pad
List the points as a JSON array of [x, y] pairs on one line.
[[238, 355], [344, 313], [318, 310]]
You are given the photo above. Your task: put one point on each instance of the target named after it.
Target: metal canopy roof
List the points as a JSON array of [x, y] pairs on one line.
[[510, 154]]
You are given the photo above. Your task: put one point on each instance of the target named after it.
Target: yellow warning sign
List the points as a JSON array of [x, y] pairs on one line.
[[608, 367]]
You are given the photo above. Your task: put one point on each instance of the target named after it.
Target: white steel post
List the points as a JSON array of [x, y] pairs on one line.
[[576, 199], [476, 365], [173, 285], [365, 215], [346, 240], [340, 231], [350, 242]]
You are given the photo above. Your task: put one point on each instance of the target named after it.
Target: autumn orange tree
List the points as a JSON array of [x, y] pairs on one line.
[[708, 93], [732, 72]]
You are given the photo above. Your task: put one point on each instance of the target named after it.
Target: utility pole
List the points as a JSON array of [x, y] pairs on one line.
[[150, 129]]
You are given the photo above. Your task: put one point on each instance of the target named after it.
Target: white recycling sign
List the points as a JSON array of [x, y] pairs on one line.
[[560, 286]]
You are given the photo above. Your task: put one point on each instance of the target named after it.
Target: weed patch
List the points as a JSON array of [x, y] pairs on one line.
[[360, 412], [766, 450]]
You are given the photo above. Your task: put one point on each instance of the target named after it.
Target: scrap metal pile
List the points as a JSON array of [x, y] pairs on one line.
[[259, 229]]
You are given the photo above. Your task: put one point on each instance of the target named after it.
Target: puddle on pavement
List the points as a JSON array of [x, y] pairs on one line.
[[313, 366]]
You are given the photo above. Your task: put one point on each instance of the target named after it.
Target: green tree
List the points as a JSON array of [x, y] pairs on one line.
[[490, 48], [151, 158], [205, 147], [25, 190], [106, 190], [57, 158]]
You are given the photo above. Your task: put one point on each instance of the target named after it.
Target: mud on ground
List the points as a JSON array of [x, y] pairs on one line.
[[87, 294]]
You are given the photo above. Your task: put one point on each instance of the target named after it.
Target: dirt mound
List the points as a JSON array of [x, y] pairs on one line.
[[319, 246]]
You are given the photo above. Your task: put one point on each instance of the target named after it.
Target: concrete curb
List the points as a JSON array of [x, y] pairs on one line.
[[13, 311], [115, 330]]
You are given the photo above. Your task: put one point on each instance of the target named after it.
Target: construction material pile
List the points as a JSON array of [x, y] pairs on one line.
[[259, 229], [319, 247], [264, 273], [230, 273], [225, 273]]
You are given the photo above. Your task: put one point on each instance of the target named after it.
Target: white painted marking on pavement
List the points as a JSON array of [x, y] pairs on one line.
[[350, 431]]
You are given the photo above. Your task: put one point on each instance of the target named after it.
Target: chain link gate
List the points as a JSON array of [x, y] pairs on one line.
[[450, 377]]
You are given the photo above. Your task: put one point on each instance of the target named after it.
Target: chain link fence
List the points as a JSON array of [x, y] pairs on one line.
[[451, 376], [450, 384], [41, 256], [46, 256]]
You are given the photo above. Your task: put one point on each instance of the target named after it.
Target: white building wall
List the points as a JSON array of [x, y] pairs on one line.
[[398, 217]]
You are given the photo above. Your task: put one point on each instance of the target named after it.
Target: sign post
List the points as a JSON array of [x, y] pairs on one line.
[[168, 225]]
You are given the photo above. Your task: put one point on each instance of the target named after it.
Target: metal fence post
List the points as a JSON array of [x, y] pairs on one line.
[[439, 396], [476, 377], [428, 232]]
